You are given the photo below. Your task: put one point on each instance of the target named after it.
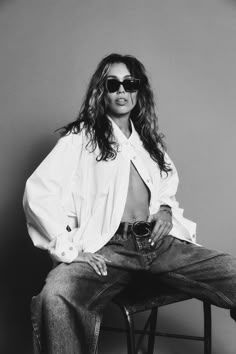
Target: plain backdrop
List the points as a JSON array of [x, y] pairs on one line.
[[48, 51]]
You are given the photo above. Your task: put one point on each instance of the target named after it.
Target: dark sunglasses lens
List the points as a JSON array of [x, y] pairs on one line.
[[130, 85], [112, 85]]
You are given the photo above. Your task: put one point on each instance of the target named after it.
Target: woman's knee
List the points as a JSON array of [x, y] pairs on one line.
[[58, 288], [74, 284], [54, 295]]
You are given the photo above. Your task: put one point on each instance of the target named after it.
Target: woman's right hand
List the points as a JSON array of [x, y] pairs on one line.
[[97, 261]]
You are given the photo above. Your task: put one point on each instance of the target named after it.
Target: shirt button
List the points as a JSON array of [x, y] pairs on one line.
[[134, 157], [62, 254], [148, 180], [71, 248]]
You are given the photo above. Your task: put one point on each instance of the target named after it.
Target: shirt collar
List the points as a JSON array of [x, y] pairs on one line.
[[134, 138]]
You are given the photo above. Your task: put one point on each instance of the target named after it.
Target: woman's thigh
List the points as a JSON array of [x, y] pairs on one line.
[[201, 272], [80, 284]]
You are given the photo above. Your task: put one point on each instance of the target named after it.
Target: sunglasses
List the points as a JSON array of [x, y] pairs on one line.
[[130, 85]]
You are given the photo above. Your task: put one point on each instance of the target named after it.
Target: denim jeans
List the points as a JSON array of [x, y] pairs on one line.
[[66, 315]]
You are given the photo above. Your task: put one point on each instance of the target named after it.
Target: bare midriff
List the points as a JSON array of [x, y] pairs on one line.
[[138, 196]]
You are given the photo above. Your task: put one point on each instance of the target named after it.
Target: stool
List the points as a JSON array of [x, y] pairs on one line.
[[131, 304]]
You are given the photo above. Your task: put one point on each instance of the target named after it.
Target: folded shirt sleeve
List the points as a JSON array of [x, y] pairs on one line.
[[169, 185], [62, 249], [46, 219], [182, 227]]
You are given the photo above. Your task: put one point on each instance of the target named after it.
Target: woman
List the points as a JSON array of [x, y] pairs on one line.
[[103, 204]]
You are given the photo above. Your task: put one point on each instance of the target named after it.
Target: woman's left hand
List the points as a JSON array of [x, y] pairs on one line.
[[163, 225]]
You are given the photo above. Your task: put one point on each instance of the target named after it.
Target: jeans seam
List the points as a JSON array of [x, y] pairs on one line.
[[36, 330], [107, 286], [204, 285], [96, 332], [36, 334]]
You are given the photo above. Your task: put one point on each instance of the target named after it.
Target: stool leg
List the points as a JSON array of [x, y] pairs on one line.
[[130, 333], [153, 322], [207, 327]]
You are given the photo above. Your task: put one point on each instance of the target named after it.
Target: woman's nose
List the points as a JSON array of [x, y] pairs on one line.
[[121, 89]]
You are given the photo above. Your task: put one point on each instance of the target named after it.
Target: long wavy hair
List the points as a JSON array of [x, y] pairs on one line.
[[98, 128]]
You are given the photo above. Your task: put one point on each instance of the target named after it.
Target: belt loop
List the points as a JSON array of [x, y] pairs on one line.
[[126, 226]]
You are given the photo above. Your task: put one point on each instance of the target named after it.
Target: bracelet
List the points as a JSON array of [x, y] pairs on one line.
[[166, 208]]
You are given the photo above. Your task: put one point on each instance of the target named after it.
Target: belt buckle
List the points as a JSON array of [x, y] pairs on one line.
[[141, 228]]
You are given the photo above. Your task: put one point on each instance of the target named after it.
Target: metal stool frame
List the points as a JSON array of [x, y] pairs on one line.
[[130, 307]]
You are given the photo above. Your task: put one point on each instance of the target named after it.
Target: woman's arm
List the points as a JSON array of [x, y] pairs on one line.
[[46, 219]]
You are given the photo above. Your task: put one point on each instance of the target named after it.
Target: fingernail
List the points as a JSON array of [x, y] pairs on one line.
[[104, 273], [152, 244], [150, 240]]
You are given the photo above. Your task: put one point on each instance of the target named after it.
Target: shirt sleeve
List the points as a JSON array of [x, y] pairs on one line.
[[182, 227], [42, 201], [62, 249], [169, 185]]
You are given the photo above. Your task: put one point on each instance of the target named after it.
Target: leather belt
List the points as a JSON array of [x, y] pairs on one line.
[[138, 228]]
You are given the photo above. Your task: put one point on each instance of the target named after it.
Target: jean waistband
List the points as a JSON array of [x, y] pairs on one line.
[[138, 229]]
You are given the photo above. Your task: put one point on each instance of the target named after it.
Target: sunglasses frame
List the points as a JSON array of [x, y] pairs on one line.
[[123, 84]]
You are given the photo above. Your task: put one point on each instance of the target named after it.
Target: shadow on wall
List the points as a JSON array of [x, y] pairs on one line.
[[24, 267]]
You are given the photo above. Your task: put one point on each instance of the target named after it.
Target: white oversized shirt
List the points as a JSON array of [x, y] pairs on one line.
[[71, 188]]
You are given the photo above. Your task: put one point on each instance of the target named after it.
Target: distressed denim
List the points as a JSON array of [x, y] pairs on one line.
[[66, 315]]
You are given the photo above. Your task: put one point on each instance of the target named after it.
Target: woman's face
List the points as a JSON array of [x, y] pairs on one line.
[[119, 103]]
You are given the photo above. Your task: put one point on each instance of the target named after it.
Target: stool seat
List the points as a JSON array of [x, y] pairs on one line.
[[142, 302]]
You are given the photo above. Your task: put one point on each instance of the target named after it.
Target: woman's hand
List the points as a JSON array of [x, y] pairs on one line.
[[97, 261], [163, 225]]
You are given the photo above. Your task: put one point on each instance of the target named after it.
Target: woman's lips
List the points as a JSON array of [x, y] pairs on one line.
[[121, 101]]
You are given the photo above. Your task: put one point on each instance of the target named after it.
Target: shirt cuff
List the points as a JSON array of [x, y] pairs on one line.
[[62, 249]]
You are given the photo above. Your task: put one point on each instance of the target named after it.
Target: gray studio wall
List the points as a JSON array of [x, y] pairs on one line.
[[49, 49]]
